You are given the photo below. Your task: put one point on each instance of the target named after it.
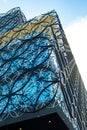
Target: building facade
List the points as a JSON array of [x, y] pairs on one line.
[[38, 73]]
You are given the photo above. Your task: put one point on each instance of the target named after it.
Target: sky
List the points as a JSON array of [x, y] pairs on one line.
[[73, 17]]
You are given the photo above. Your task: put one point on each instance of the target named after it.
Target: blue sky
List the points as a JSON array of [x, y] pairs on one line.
[[73, 16], [68, 10]]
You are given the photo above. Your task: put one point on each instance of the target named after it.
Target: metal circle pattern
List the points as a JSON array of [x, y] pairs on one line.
[[28, 82]]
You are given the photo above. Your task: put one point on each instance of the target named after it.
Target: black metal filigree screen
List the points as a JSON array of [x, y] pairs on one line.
[[37, 68], [29, 72]]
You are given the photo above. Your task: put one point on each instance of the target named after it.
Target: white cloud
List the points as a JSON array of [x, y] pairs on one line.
[[76, 34]]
